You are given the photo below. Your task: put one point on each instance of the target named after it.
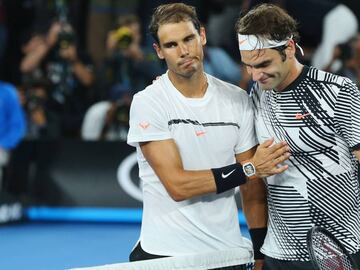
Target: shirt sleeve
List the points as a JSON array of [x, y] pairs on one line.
[[247, 137], [148, 121], [347, 114]]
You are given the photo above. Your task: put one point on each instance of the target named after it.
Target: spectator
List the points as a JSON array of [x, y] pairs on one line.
[[108, 120], [348, 55], [12, 128], [56, 58], [101, 17], [41, 119], [128, 64], [339, 25]]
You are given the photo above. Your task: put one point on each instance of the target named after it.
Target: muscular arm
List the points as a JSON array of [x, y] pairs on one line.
[[164, 158]]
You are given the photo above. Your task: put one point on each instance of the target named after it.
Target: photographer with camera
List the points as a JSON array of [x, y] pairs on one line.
[[128, 64], [56, 57], [108, 119], [42, 121]]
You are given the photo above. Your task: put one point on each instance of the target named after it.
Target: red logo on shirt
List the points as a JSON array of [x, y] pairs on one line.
[[300, 116], [144, 125], [200, 133]]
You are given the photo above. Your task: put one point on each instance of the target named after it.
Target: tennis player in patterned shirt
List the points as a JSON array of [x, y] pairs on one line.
[[318, 115]]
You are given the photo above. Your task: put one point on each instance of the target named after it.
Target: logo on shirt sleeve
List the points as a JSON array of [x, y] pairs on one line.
[[144, 125]]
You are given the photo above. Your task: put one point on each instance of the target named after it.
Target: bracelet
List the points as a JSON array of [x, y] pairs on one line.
[[257, 237], [228, 177]]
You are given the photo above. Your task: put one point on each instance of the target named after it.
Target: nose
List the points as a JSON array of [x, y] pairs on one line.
[[183, 49], [255, 73]]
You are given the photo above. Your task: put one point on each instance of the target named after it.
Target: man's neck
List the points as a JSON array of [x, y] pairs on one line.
[[294, 73], [190, 87]]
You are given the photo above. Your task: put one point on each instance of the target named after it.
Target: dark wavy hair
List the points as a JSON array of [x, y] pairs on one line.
[[172, 13], [270, 22]]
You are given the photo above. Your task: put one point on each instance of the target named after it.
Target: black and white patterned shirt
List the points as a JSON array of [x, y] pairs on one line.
[[318, 115]]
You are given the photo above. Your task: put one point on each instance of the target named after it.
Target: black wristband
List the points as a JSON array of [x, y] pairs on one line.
[[257, 237], [228, 177]]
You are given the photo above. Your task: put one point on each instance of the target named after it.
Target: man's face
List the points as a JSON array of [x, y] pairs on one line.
[[267, 67], [181, 46]]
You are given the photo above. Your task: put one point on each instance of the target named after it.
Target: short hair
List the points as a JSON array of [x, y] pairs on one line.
[[268, 21], [172, 13]]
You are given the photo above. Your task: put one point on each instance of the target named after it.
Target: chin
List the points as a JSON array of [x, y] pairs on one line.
[[189, 72], [265, 87]]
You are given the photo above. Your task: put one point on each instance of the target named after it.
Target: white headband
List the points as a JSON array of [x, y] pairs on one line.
[[252, 42]]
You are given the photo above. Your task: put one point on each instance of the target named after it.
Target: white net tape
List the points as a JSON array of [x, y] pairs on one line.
[[202, 261]]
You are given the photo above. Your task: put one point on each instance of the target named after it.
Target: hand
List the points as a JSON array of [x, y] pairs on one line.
[[53, 33], [268, 158], [111, 42], [33, 44]]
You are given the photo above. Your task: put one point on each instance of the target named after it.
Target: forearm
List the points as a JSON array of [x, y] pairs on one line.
[[33, 59], [254, 206], [254, 203], [184, 184], [187, 184], [85, 76]]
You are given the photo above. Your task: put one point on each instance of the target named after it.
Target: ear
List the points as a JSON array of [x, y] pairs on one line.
[[203, 36], [291, 49], [157, 48]]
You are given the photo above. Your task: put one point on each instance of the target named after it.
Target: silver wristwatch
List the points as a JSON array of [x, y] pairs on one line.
[[249, 169]]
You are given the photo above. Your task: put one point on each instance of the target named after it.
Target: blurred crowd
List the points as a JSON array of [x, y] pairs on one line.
[[76, 64]]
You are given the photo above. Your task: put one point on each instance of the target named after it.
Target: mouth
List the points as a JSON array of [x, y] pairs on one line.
[[264, 80], [186, 62]]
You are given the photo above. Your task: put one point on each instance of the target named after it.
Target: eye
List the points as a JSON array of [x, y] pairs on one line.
[[189, 38], [170, 45]]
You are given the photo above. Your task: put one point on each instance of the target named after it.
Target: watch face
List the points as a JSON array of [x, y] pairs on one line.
[[249, 170]]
